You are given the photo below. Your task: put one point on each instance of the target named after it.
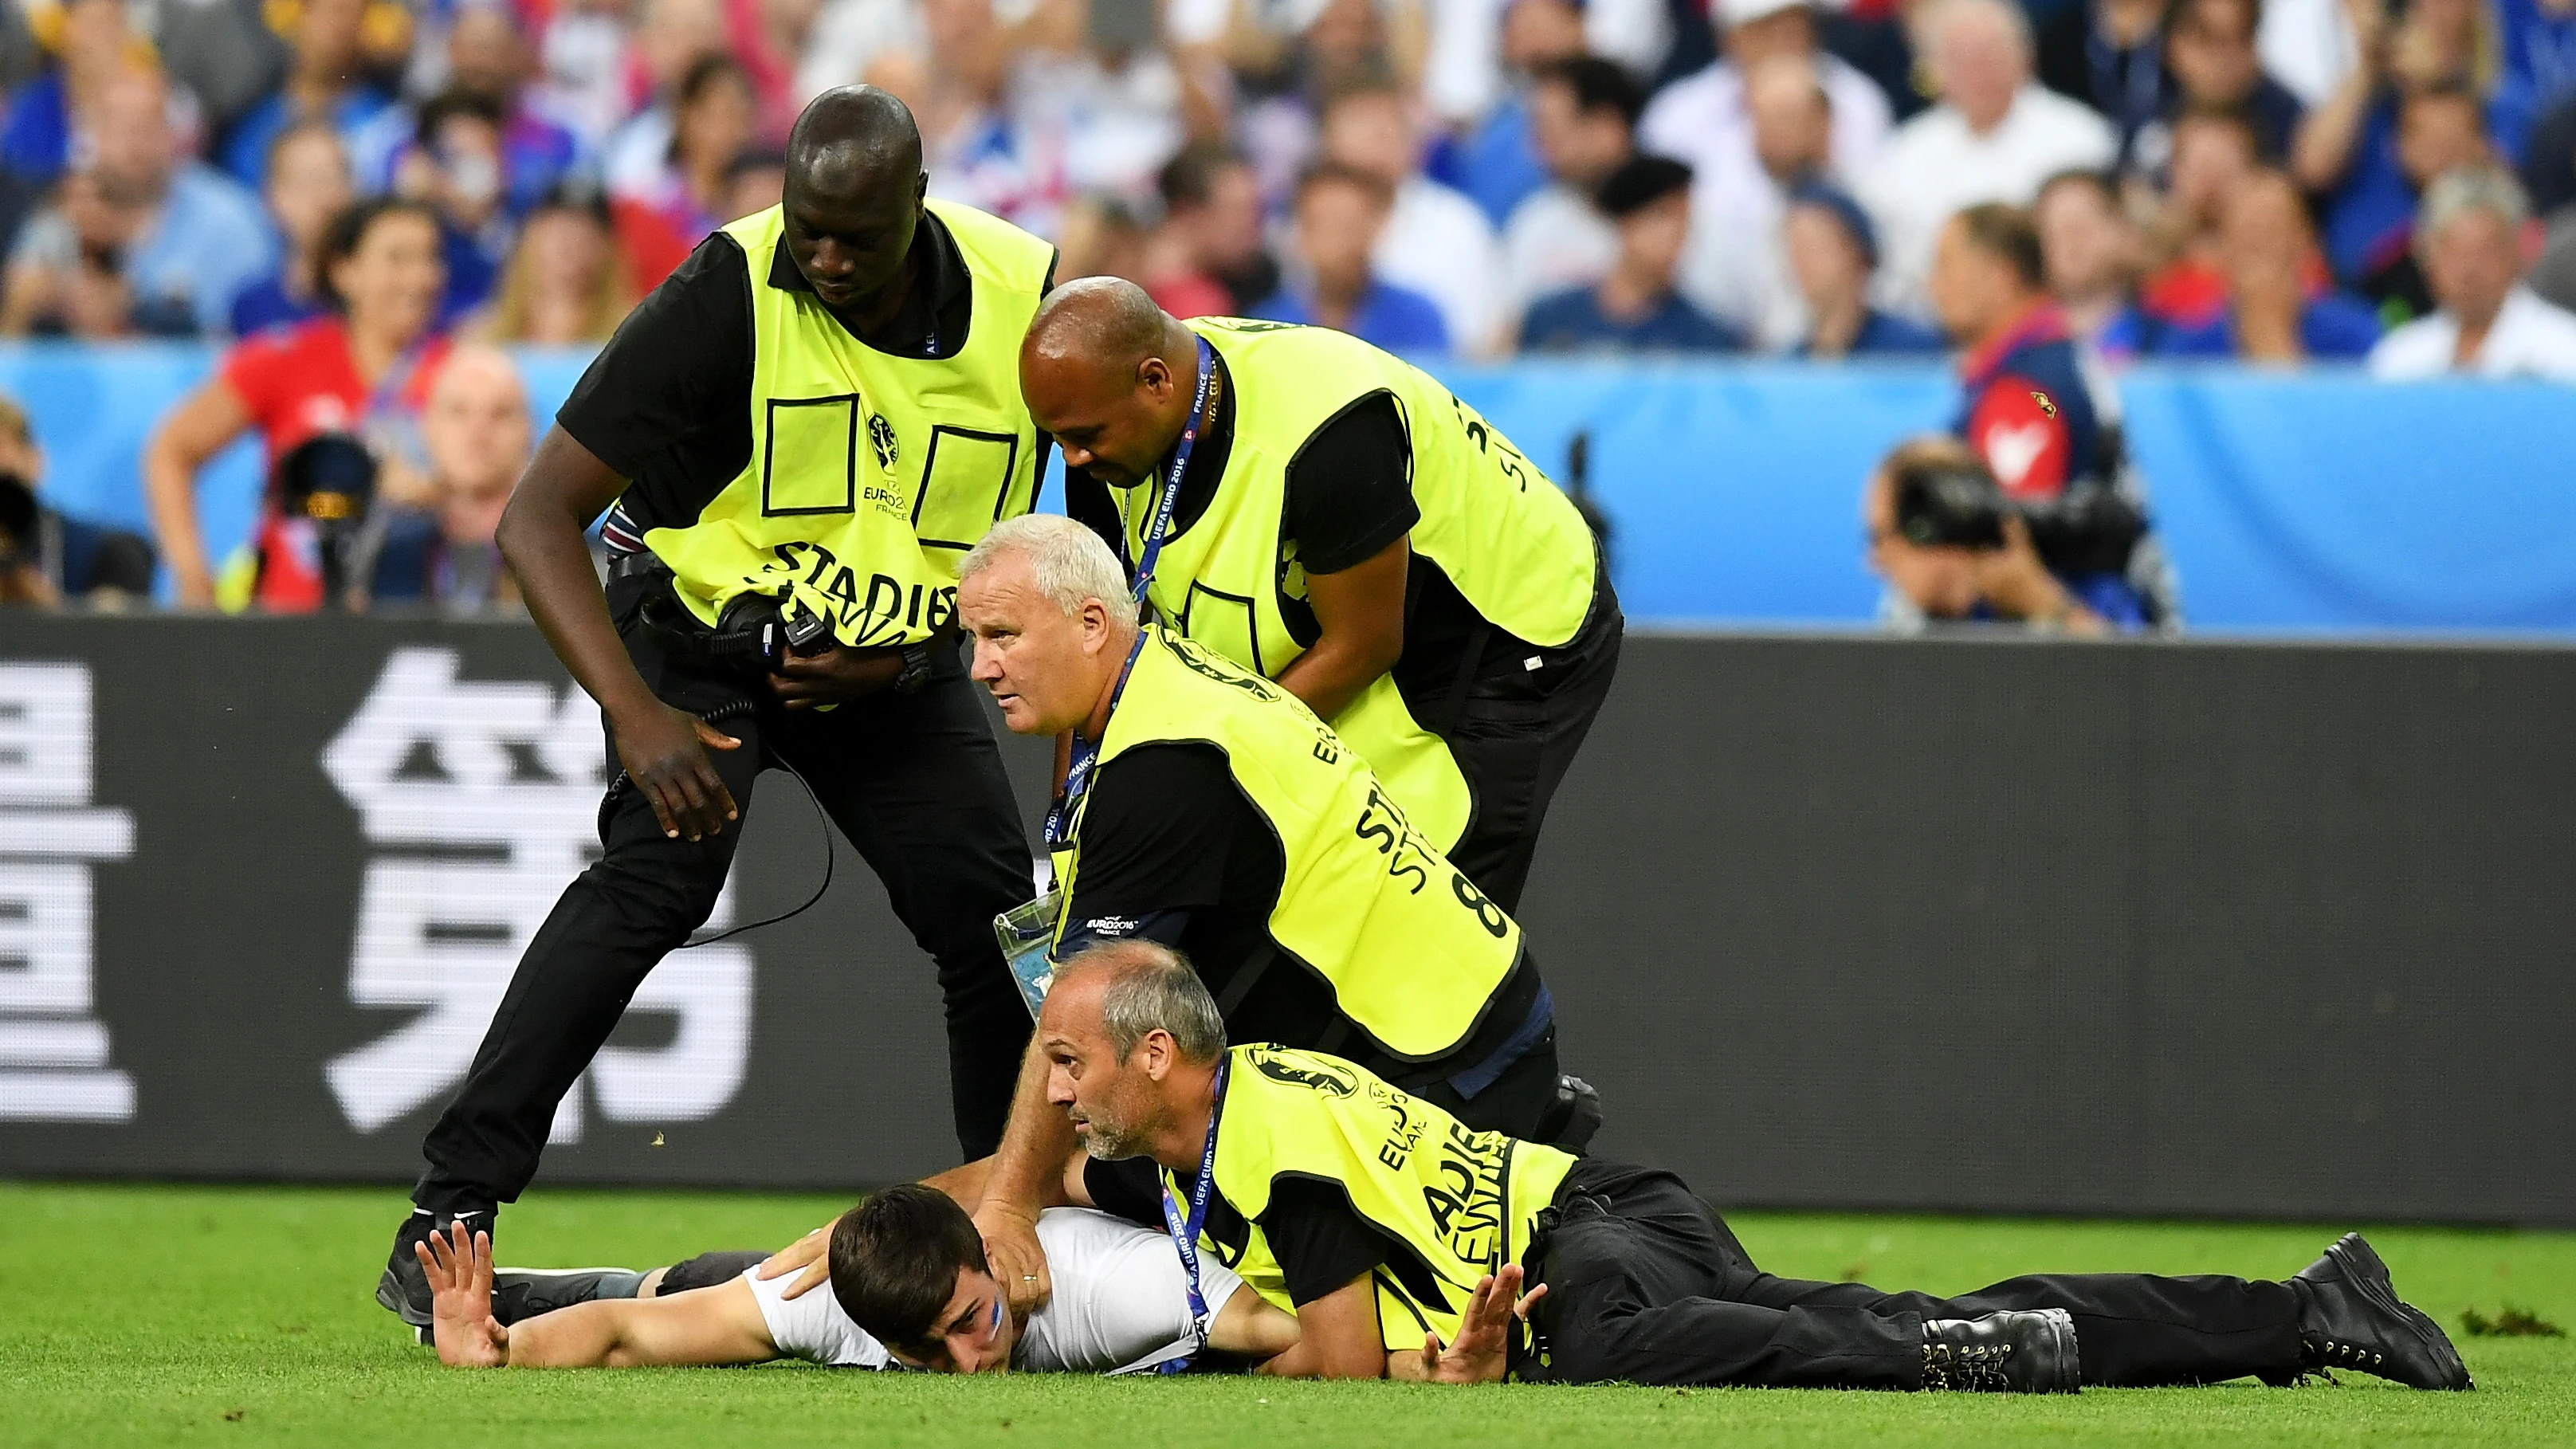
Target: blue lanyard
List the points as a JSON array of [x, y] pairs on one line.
[[1150, 552], [1086, 753], [1185, 1231]]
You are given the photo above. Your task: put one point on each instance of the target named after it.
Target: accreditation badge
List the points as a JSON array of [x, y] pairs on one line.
[[1026, 933]]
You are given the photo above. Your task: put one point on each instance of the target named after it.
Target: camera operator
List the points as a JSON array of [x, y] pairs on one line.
[[46, 557], [2039, 416], [1929, 494]]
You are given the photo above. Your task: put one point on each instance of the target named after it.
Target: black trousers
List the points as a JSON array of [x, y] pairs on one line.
[[1646, 1285], [1514, 735], [915, 783]]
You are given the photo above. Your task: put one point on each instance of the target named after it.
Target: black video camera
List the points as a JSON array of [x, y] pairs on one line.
[[773, 628], [330, 479], [2090, 528]]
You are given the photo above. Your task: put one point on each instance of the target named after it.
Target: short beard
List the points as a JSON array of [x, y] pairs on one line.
[[1114, 1142]]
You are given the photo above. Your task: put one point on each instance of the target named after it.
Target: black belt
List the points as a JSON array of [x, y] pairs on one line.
[[629, 565]]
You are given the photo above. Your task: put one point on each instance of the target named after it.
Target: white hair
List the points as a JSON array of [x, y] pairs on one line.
[[1067, 562], [2464, 189]]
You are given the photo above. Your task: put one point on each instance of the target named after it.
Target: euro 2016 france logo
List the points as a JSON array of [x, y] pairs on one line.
[[881, 434]]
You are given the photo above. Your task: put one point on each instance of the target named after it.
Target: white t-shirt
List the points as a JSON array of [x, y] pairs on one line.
[[1935, 167], [1119, 1295], [2530, 338]]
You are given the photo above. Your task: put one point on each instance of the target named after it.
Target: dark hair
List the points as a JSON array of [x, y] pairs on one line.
[[454, 103], [894, 1262], [1597, 83], [2103, 184], [2253, 15], [1189, 178], [702, 74], [1330, 173], [2219, 113], [2449, 88], [348, 232], [1360, 88], [755, 158], [1640, 182], [2005, 232]]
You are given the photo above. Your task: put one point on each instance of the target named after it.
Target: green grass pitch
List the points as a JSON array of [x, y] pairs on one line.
[[238, 1316]]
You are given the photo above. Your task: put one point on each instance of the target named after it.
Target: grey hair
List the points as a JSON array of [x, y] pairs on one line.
[[1067, 562], [1153, 988], [2464, 189]]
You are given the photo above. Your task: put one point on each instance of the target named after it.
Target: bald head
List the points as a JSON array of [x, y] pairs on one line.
[[476, 426], [1106, 322], [853, 136], [1111, 375], [852, 200]]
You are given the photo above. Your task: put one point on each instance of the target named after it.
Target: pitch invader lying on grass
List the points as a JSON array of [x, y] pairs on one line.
[[1426, 1230], [1120, 1299]]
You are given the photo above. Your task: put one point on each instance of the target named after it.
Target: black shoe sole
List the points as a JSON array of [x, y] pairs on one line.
[[2363, 1269], [390, 1296], [2069, 1355]]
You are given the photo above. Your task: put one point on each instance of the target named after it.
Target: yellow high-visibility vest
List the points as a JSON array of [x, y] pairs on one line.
[[870, 475]]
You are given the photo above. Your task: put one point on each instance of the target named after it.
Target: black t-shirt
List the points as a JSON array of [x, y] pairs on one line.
[[1348, 494], [666, 404], [1173, 851], [1320, 1240]]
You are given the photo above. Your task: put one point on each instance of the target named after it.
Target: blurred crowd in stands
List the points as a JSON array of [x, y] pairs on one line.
[[340, 187], [2214, 177]]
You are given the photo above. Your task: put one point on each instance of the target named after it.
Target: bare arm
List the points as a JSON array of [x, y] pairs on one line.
[[1359, 616], [1339, 1337], [2322, 150], [1030, 1163], [718, 1325], [703, 1327], [211, 417], [1249, 1327], [664, 750]]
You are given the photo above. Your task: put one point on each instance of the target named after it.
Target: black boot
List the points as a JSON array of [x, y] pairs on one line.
[[404, 1289], [2003, 1353], [2350, 1317]]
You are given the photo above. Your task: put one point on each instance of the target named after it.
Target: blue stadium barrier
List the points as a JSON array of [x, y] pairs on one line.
[[2317, 502]]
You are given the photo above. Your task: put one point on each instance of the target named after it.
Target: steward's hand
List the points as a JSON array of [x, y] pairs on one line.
[[838, 675], [665, 755], [1484, 1332], [460, 1304], [809, 1258], [1011, 1249]]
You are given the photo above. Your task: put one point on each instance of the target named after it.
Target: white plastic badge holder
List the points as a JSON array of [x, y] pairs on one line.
[[1027, 933]]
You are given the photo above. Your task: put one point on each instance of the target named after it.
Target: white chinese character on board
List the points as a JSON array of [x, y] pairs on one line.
[[483, 802], [53, 1052]]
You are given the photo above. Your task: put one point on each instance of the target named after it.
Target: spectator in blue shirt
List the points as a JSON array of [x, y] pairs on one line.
[[93, 45], [457, 168], [308, 185], [487, 57], [181, 239], [1635, 308], [1496, 161], [2280, 306], [1833, 249], [1340, 212], [322, 85]]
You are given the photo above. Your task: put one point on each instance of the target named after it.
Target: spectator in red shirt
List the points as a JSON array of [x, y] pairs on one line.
[[2215, 152], [2037, 412], [364, 370]]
